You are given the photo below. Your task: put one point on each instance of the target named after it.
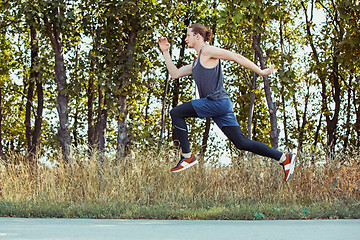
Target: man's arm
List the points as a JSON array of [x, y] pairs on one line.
[[173, 70], [219, 53]]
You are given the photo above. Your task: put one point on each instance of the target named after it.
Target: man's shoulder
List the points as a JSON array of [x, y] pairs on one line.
[[211, 51]]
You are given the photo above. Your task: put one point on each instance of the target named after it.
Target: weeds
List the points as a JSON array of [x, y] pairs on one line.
[[140, 187]]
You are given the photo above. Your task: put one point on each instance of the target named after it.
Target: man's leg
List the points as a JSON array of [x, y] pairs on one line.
[[236, 136], [178, 115]]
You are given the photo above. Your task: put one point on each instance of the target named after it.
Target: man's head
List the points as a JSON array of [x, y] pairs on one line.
[[197, 33], [200, 29]]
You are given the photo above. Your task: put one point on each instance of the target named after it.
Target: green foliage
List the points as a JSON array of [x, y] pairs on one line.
[[110, 49]]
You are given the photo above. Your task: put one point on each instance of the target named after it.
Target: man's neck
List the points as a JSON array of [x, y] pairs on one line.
[[199, 47]]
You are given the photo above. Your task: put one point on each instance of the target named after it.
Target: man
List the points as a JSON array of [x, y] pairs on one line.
[[214, 101]]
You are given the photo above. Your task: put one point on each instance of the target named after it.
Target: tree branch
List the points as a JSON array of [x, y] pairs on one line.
[[49, 31], [10, 23]]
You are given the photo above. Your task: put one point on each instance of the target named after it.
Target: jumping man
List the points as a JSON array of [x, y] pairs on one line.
[[214, 101]]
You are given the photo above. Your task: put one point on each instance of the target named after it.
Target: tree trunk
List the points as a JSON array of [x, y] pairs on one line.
[[90, 112], [252, 102], [316, 139], [101, 134], [205, 140], [147, 108], [39, 112], [33, 135], [356, 102], [285, 121], [60, 78], [304, 120], [274, 135], [90, 99], [28, 107], [348, 118], [281, 34], [75, 127], [332, 122], [62, 105], [163, 106], [122, 136], [101, 125], [297, 114], [2, 155]]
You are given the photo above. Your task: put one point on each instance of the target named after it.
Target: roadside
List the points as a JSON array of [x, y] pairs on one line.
[[244, 210]]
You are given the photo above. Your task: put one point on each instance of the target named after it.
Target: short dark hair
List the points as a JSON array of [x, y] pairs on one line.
[[198, 28]]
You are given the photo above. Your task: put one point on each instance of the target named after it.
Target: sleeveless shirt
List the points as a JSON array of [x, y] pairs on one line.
[[209, 80]]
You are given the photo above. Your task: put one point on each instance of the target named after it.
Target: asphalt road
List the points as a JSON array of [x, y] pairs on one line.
[[88, 229]]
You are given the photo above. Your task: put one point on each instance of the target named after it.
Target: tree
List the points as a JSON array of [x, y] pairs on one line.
[[112, 86], [252, 17], [2, 155], [274, 135], [33, 135], [8, 18], [328, 63], [52, 15]]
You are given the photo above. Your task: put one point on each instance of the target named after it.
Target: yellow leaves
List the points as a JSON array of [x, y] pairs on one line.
[[256, 91]]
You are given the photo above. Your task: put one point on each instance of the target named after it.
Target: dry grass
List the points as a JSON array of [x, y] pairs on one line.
[[141, 180]]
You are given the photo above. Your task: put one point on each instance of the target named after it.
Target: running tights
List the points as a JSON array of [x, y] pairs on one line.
[[233, 133]]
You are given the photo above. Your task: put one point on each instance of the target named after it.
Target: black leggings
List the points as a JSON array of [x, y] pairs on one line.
[[234, 133]]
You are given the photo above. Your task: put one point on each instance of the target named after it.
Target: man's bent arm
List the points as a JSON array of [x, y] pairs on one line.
[[173, 70]]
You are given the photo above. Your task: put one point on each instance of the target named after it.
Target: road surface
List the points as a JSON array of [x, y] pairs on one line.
[[89, 229]]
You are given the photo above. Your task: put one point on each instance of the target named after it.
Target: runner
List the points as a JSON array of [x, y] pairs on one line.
[[214, 101]]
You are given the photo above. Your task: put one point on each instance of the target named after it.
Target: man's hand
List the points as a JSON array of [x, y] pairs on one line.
[[267, 71], [164, 45]]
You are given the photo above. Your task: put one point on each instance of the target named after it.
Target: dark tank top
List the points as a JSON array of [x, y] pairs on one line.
[[209, 80]]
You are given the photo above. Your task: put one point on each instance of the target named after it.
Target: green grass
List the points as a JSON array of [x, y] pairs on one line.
[[229, 211]]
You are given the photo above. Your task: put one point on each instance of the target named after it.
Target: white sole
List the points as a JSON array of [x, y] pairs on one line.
[[190, 165], [292, 167]]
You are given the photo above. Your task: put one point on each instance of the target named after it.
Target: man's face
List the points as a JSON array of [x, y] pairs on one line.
[[190, 38]]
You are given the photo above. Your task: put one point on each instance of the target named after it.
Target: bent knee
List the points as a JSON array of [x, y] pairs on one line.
[[174, 113]]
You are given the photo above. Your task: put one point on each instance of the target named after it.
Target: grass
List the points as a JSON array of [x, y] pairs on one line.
[[245, 211], [141, 188]]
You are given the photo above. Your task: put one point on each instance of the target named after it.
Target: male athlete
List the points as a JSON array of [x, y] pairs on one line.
[[214, 101]]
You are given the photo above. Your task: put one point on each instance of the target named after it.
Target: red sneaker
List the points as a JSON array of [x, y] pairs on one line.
[[184, 163], [289, 166]]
